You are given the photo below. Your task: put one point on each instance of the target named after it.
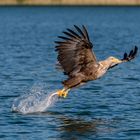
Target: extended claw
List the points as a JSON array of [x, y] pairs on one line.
[[66, 93], [60, 93], [63, 93]]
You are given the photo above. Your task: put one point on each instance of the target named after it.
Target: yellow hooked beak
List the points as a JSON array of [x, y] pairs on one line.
[[117, 61]]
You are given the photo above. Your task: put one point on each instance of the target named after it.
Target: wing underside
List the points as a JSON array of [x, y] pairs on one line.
[[75, 50]]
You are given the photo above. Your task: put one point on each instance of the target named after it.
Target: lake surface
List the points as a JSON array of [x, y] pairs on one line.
[[105, 109]]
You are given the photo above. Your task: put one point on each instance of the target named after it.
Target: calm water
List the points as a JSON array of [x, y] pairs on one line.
[[107, 109]]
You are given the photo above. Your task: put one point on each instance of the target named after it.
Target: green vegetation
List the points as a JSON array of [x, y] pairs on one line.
[[20, 1]]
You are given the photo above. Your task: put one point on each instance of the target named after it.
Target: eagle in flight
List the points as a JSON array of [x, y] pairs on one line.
[[78, 61]]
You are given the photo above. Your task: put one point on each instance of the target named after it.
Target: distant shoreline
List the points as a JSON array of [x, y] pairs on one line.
[[70, 5], [70, 2]]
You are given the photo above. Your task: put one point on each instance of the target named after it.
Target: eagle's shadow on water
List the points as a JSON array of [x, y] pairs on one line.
[[76, 128], [80, 128]]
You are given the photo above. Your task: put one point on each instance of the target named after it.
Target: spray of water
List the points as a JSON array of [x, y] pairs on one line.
[[35, 101]]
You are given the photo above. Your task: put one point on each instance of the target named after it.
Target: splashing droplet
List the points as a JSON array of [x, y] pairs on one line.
[[34, 102]]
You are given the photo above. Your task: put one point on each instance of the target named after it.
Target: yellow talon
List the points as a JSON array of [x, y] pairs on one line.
[[60, 93], [63, 93]]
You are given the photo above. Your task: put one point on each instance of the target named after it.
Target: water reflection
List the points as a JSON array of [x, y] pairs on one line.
[[72, 127], [75, 128], [78, 125]]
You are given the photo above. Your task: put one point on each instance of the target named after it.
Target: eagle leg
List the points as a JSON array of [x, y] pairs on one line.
[[63, 93]]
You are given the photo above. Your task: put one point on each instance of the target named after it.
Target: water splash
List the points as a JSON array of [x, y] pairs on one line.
[[35, 101]]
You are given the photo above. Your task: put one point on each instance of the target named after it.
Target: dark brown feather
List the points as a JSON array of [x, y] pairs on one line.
[[79, 30], [85, 32], [131, 55], [75, 51]]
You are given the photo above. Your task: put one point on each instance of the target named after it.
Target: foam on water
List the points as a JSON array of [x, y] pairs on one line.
[[35, 101]]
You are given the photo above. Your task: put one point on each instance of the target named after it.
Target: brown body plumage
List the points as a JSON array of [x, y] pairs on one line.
[[78, 61]]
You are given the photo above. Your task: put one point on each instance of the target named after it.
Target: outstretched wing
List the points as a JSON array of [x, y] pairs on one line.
[[131, 55], [75, 50], [128, 57]]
